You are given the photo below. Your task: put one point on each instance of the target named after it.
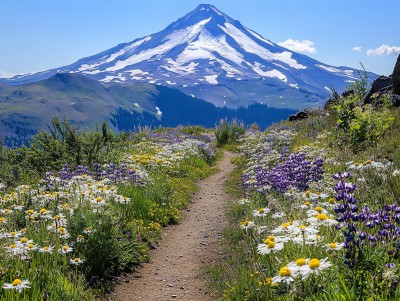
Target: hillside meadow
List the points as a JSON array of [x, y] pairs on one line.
[[317, 215], [315, 211]]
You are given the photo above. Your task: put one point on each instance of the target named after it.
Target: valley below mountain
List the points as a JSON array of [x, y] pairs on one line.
[[203, 67], [26, 109]]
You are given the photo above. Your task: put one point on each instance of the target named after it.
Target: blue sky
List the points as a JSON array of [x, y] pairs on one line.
[[43, 34]]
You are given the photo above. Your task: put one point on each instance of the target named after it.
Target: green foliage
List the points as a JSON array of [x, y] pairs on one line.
[[109, 237], [371, 132], [364, 125], [228, 132], [362, 85], [368, 125], [62, 144], [65, 144]]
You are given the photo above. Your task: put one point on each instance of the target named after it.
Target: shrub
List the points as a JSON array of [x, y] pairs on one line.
[[228, 132]]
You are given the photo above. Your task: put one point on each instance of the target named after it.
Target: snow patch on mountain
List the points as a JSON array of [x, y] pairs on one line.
[[206, 45], [211, 79], [171, 40], [270, 73], [251, 46]]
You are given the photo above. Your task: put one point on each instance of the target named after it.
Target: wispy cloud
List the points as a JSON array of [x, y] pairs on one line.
[[357, 48], [304, 46], [4, 74], [384, 50]]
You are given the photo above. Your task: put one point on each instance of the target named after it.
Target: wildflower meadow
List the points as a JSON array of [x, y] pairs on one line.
[[318, 214], [66, 235]]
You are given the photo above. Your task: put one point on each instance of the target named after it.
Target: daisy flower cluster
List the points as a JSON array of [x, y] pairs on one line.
[[163, 153], [60, 227], [290, 207], [306, 222]]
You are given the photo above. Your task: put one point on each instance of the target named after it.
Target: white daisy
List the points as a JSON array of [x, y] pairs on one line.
[[76, 261], [247, 225], [31, 247], [334, 246], [46, 249], [262, 212], [295, 266], [322, 219], [269, 246], [15, 249], [65, 249], [284, 227], [24, 241], [314, 267], [306, 205], [17, 284], [317, 210], [296, 230], [285, 275]]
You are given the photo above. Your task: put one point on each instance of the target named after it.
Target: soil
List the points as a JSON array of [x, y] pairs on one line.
[[173, 272]]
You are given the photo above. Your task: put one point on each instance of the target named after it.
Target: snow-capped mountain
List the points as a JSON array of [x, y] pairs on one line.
[[209, 55]]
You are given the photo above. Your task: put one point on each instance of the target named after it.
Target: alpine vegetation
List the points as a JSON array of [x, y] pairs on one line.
[[319, 215], [67, 232]]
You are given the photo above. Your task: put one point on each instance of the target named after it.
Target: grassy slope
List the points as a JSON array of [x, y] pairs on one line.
[[240, 275]]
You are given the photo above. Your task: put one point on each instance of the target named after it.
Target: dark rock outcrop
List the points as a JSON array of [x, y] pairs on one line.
[[396, 77], [382, 85], [348, 93], [305, 113], [385, 85]]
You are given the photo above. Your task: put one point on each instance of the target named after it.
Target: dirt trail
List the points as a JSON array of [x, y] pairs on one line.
[[173, 270]]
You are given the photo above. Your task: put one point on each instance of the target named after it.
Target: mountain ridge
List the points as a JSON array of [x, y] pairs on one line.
[[25, 109], [210, 55]]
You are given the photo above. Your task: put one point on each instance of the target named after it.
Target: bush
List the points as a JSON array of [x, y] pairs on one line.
[[228, 132], [364, 125]]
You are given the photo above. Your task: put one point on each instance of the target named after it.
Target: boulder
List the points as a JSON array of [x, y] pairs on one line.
[[348, 93], [396, 77], [383, 84], [305, 113], [389, 85]]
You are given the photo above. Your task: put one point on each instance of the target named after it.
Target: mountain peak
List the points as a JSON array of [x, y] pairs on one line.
[[208, 7], [204, 12], [210, 55]]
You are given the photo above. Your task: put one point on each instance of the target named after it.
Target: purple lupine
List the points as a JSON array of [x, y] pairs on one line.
[[347, 216], [295, 172], [367, 227]]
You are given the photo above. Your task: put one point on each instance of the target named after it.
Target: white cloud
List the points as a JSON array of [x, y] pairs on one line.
[[304, 46], [4, 74], [357, 48], [384, 50]]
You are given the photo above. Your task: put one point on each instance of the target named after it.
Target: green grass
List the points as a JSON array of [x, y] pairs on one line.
[[109, 226], [244, 274]]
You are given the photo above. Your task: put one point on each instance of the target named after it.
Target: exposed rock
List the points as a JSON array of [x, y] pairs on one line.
[[383, 84], [348, 93], [396, 77], [303, 114]]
